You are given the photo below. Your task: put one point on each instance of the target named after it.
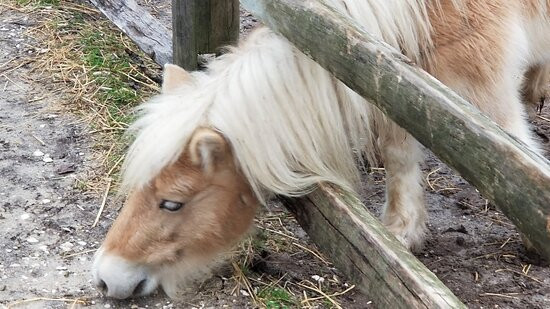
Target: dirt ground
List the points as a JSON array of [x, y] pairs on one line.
[[47, 214], [470, 245]]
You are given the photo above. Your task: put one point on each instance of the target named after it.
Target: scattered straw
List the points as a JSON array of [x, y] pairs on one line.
[[32, 300], [507, 295], [319, 291], [317, 255], [103, 202], [242, 280], [519, 273], [39, 140], [101, 73], [278, 233], [331, 295], [526, 268], [428, 178], [505, 243], [9, 79], [79, 253]]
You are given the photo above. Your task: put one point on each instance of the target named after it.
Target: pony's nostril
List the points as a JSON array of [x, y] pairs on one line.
[[139, 288], [102, 286]]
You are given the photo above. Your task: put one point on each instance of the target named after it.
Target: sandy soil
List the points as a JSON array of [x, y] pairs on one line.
[[45, 223], [49, 241]]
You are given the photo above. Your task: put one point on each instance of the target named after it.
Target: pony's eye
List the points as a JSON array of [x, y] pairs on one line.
[[170, 205]]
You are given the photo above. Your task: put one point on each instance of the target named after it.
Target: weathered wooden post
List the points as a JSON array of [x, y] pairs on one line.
[[149, 34], [202, 26]]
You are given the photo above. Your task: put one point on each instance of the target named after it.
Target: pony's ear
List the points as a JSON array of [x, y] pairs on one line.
[[207, 149], [173, 77]]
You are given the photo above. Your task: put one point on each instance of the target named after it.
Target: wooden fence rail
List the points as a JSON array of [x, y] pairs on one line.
[[369, 255], [149, 34]]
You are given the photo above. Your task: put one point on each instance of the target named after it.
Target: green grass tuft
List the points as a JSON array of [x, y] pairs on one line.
[[109, 67], [37, 2], [276, 298]]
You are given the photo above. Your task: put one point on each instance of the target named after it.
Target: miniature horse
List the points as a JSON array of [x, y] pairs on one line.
[[265, 119]]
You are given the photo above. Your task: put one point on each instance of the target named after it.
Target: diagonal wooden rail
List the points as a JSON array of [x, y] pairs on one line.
[[145, 30], [500, 167], [369, 255]]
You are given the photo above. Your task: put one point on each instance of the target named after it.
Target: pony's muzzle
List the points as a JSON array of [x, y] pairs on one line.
[[118, 278]]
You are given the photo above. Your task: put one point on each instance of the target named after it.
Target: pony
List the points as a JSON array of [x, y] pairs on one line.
[[265, 119]]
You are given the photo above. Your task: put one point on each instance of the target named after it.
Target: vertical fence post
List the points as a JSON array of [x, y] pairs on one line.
[[202, 26], [183, 29]]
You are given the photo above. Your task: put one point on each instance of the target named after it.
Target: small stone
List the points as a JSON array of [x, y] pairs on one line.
[[25, 216], [107, 306], [318, 278], [47, 159], [38, 153], [32, 240], [3, 287], [244, 293], [65, 169], [66, 246], [46, 201]]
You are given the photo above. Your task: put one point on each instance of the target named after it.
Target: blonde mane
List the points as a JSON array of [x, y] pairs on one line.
[[290, 123]]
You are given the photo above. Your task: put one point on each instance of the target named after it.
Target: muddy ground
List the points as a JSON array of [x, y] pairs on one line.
[[46, 217]]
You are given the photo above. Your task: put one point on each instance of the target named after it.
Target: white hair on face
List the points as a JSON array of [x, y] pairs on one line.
[[179, 278], [289, 122]]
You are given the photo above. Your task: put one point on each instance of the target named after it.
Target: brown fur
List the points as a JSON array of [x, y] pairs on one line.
[[219, 208], [459, 39]]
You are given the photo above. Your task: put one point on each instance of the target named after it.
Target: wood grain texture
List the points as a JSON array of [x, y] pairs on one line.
[[201, 27], [500, 167], [386, 272], [218, 24], [186, 25], [147, 32]]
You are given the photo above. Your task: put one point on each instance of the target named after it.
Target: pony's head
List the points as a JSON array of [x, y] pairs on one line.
[[180, 221], [264, 119]]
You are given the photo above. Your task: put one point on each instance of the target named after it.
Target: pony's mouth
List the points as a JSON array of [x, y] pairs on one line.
[[117, 278], [143, 288]]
